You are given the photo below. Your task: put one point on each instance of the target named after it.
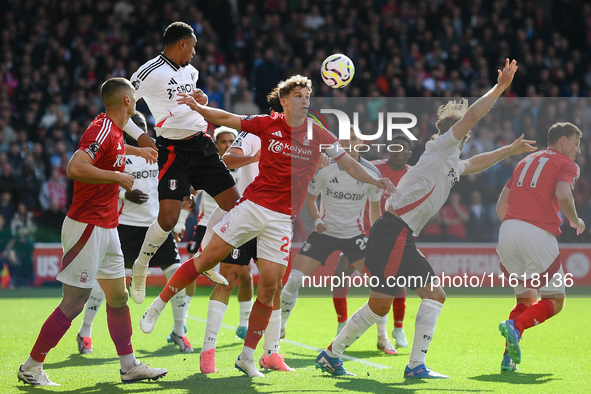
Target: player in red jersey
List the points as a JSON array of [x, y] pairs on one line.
[[541, 185], [89, 238], [392, 168], [287, 164]]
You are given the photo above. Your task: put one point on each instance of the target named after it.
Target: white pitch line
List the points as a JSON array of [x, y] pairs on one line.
[[309, 347]]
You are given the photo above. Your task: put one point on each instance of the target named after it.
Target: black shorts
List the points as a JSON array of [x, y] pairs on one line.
[[132, 238], [242, 254], [320, 246], [393, 257], [194, 162]]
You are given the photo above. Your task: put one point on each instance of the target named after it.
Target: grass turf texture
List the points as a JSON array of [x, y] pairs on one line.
[[467, 346]]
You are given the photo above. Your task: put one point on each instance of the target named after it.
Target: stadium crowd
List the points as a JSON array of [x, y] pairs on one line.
[[55, 54]]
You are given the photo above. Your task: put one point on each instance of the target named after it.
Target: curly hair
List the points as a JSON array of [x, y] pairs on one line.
[[284, 88]]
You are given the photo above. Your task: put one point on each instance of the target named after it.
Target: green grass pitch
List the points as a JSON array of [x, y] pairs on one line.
[[467, 346]]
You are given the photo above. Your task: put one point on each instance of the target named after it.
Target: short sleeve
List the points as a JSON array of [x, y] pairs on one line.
[[92, 145], [249, 143], [141, 86], [255, 124], [316, 184], [447, 144], [569, 172]]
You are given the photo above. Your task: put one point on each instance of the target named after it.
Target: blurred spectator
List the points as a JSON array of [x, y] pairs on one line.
[[21, 258], [28, 185], [478, 227], [454, 216], [55, 188], [245, 106], [22, 219], [49, 224]]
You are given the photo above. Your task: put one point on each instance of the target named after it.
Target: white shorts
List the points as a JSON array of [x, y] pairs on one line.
[[90, 252], [248, 220], [525, 250]]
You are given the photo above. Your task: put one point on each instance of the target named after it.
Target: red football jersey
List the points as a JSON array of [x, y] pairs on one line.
[[93, 203], [288, 161], [392, 175], [532, 187]]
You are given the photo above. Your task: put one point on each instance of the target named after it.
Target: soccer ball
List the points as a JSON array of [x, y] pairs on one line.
[[337, 71]]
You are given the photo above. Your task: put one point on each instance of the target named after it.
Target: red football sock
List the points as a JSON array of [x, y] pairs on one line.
[[52, 331], [119, 322], [538, 313], [517, 310], [340, 306], [257, 323], [185, 275], [399, 309]]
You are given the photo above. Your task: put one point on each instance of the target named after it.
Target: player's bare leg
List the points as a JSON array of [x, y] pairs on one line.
[[218, 303], [270, 274], [302, 266], [245, 293], [213, 253], [271, 359]]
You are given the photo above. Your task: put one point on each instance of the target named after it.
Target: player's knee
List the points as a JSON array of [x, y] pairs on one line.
[[558, 304], [294, 282]]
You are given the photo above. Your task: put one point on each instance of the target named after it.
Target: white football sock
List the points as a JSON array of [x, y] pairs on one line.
[[361, 320], [289, 295], [382, 326], [215, 315], [97, 296], [178, 303], [247, 353], [272, 333], [424, 329], [245, 308], [127, 362], [188, 300], [31, 365], [155, 237]]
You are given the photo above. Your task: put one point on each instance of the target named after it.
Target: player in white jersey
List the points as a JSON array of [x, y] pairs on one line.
[[187, 156], [392, 256], [338, 226], [137, 210]]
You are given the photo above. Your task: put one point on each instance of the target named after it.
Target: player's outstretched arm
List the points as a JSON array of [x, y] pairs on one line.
[[566, 203], [213, 115], [355, 169], [479, 108], [485, 160], [235, 158], [82, 169]]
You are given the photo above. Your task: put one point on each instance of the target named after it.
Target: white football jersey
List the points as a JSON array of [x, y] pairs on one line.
[[158, 81], [146, 180], [342, 205], [423, 190], [250, 144]]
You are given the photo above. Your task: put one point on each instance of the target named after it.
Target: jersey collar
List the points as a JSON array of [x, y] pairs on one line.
[[172, 64]]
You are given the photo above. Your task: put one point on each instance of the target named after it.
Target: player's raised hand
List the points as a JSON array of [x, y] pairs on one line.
[[520, 146], [184, 98], [137, 196], [505, 77], [199, 96], [386, 184], [148, 153], [579, 225], [321, 227], [125, 180]]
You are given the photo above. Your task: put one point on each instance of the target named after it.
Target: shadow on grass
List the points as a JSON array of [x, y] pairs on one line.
[[407, 386], [116, 387], [516, 378]]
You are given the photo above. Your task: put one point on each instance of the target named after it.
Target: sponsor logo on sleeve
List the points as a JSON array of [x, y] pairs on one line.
[[136, 84], [93, 149]]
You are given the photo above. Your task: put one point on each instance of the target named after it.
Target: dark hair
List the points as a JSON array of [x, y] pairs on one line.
[[111, 88], [562, 129], [176, 31], [274, 101], [404, 138]]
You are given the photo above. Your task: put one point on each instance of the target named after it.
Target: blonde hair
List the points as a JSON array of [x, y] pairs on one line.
[[284, 88], [449, 114]]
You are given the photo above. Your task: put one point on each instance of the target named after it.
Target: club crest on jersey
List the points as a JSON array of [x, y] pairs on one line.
[[306, 141], [83, 276], [92, 149], [173, 184], [235, 254], [193, 76]]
